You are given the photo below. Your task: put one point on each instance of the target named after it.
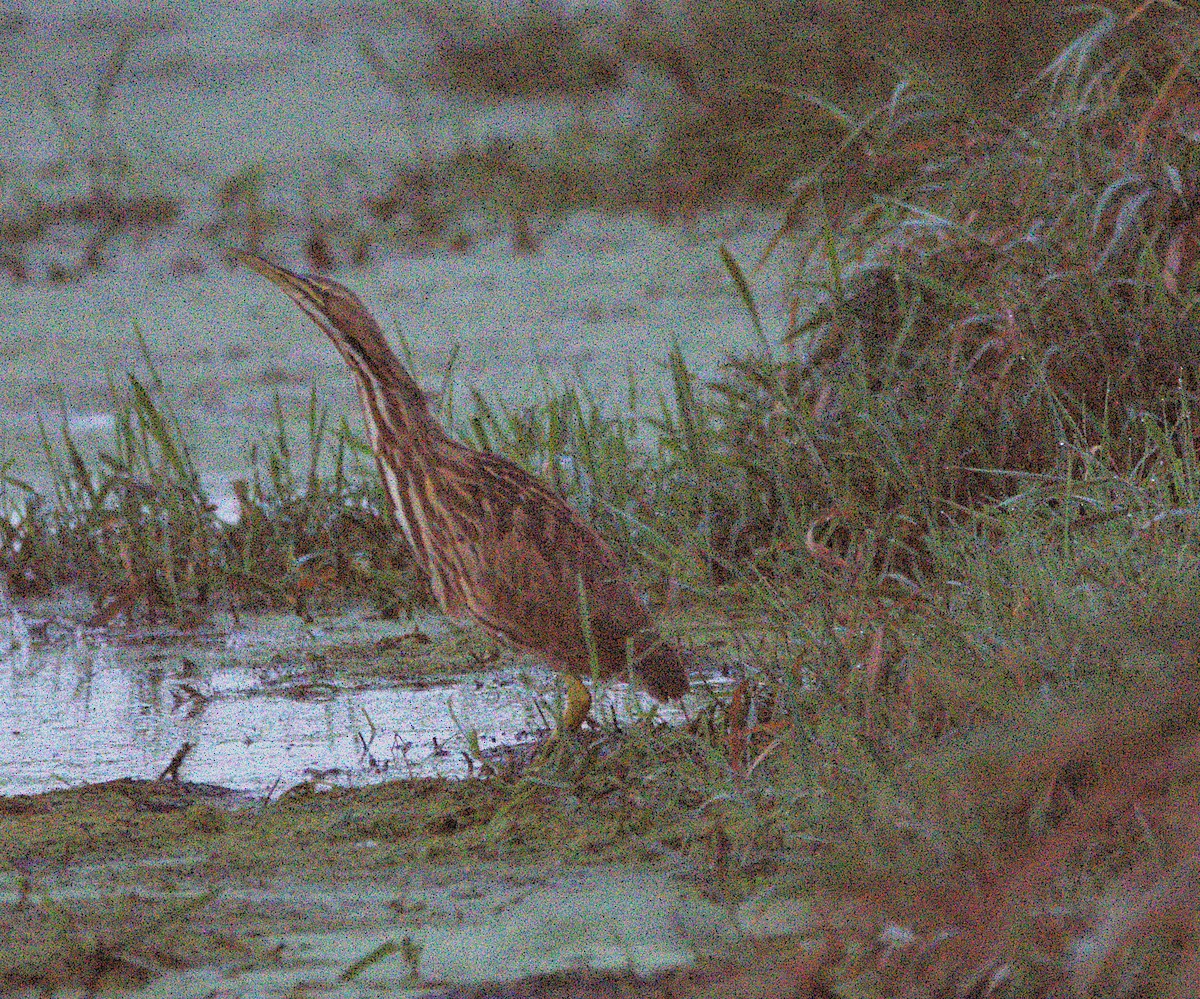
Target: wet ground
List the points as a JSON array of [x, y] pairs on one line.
[[398, 889], [287, 856]]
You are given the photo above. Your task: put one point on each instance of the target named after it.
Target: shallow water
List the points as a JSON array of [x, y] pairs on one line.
[[601, 295], [485, 923], [266, 704]]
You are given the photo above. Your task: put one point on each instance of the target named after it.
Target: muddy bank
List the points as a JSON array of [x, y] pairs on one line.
[[408, 887]]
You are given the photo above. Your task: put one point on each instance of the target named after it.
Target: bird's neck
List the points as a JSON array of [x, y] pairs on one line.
[[397, 414]]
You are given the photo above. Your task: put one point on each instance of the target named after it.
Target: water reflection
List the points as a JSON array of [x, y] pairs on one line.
[[80, 711]]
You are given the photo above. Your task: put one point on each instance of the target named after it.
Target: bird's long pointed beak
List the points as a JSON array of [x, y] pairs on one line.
[[301, 290]]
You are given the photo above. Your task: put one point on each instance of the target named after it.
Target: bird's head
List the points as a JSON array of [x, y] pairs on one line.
[[341, 315], [334, 308]]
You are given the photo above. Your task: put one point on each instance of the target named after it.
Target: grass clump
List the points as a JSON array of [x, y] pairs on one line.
[[117, 942], [961, 498], [138, 533], [973, 481]]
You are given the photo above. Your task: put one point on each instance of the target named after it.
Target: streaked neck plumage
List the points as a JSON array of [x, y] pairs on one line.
[[394, 407]]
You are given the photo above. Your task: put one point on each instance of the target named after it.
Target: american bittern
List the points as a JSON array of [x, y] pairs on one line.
[[496, 544]]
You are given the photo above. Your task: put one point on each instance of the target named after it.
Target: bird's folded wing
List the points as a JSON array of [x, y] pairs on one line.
[[526, 566]]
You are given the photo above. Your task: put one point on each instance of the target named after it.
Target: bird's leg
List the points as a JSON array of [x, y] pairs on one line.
[[579, 703]]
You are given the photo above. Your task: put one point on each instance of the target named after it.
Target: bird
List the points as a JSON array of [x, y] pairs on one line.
[[498, 545]]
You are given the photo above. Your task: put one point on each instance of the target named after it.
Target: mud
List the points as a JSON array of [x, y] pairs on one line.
[[405, 887]]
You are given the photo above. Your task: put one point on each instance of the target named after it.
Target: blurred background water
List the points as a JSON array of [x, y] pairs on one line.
[[281, 92]]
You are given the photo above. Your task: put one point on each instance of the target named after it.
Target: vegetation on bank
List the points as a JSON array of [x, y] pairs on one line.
[[959, 497]]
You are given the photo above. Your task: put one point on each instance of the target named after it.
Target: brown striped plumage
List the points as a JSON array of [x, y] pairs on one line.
[[497, 545]]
